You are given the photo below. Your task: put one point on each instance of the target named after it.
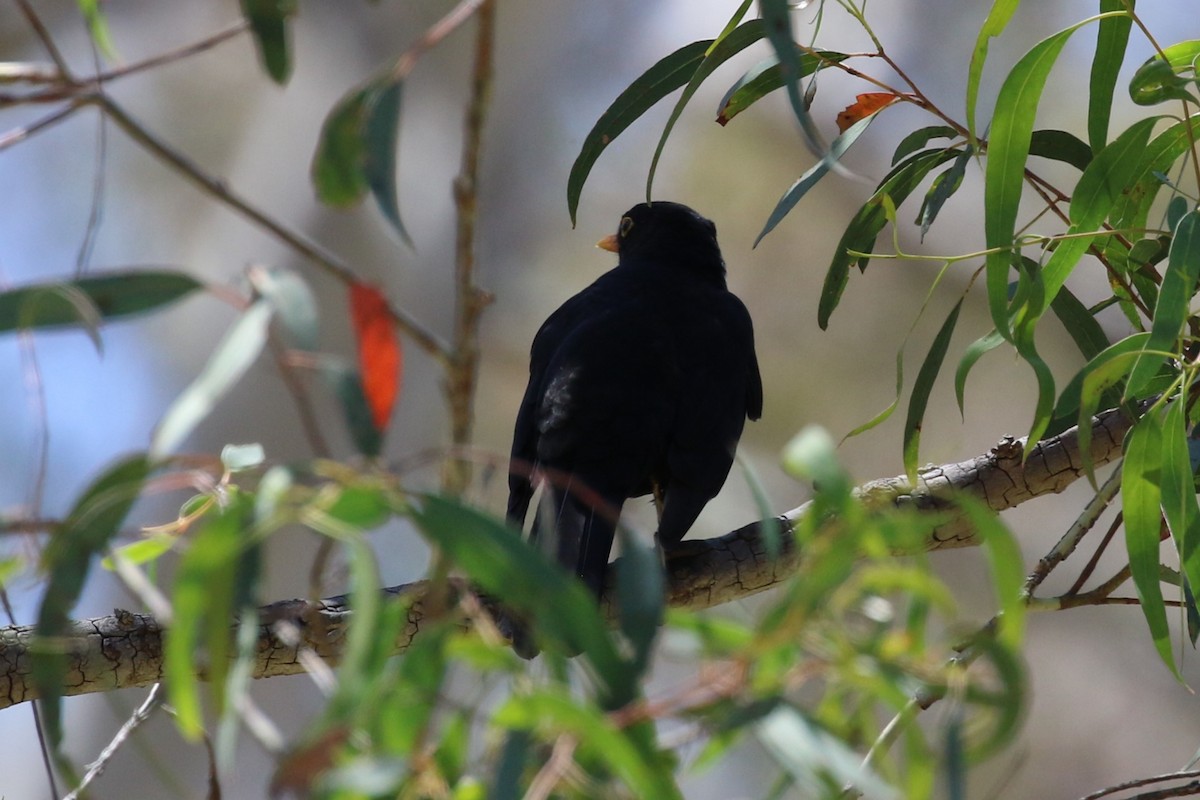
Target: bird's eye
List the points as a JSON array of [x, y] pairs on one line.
[[626, 225]]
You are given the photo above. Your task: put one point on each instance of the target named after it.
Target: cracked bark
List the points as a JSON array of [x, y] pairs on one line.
[[125, 649]]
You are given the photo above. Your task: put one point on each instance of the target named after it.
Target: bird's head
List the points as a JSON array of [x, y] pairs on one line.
[[667, 234]]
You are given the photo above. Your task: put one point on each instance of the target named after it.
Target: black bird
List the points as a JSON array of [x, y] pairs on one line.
[[639, 384]]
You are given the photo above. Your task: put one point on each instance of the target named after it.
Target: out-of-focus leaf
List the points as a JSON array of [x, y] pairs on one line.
[[228, 363], [766, 77], [506, 781], [346, 383], [993, 26], [862, 231], [641, 598], [919, 399], [203, 603], [811, 456], [357, 150], [996, 707], [1141, 473], [238, 457], [644, 776], [108, 296], [943, 187], [524, 580], [97, 25], [770, 526], [268, 23], [380, 357], [667, 75], [294, 304], [721, 50], [1008, 150], [980, 347], [1178, 285], [814, 174], [1008, 569], [815, 757], [87, 530], [1111, 40], [777, 19], [1060, 146]]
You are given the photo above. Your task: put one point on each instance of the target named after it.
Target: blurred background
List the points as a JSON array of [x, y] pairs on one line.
[[1102, 709]]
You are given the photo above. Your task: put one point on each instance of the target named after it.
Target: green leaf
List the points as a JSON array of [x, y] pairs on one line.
[[506, 781], [97, 25], [1008, 569], [346, 382], [1158, 81], [1170, 313], [226, 366], [942, 188], [1141, 474], [981, 346], [811, 455], [357, 150], [997, 20], [766, 77], [110, 296], [641, 598], [1101, 184], [921, 137], [294, 303], [722, 49], [921, 389], [141, 552], [523, 579], [268, 23], [203, 602], [1060, 146], [1079, 323], [862, 231], [87, 530], [1111, 41], [1179, 492], [1008, 150], [1082, 395], [1133, 208], [667, 75], [239, 457], [554, 709], [814, 174]]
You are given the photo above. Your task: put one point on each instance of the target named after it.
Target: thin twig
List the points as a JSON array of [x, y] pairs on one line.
[[1070, 540], [18, 135], [47, 40], [1134, 784], [143, 712], [1090, 567]]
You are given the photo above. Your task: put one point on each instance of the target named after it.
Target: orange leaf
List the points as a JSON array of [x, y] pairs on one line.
[[868, 104], [379, 355]]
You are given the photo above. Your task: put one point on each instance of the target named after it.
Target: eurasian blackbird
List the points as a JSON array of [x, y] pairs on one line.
[[639, 384]]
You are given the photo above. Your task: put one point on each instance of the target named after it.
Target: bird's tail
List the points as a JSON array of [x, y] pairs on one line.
[[577, 530]]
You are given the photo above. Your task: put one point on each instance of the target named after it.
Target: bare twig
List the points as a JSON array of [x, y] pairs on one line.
[[1191, 788], [143, 712]]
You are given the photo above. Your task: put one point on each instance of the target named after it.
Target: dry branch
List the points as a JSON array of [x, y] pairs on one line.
[[125, 649]]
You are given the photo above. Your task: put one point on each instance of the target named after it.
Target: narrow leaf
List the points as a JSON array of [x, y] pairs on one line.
[[997, 20], [1111, 40], [379, 355], [268, 23], [294, 303], [228, 363], [921, 389], [111, 295], [980, 347], [814, 174], [766, 77], [1141, 473], [1178, 286], [1079, 323], [1060, 146], [943, 188], [777, 17], [919, 138], [87, 530], [1008, 149], [1179, 493], [357, 150], [347, 384], [864, 105], [667, 75]]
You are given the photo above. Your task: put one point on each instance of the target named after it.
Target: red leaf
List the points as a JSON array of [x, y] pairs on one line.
[[379, 355], [868, 104]]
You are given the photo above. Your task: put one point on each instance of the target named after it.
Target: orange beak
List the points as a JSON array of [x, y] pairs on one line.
[[608, 243]]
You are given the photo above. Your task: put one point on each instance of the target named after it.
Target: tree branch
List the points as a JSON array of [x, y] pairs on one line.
[[125, 649]]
